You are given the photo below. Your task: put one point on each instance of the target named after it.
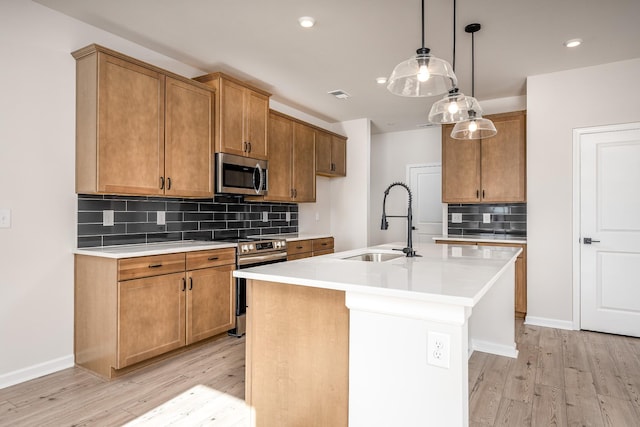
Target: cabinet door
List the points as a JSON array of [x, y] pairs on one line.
[[210, 302], [304, 163], [339, 155], [280, 142], [460, 169], [150, 317], [188, 150], [130, 128], [257, 113], [503, 160], [323, 153], [231, 132]]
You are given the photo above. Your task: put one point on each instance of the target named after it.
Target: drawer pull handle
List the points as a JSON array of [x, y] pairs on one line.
[[324, 244], [184, 284], [298, 247], [155, 265], [190, 283], [213, 258]]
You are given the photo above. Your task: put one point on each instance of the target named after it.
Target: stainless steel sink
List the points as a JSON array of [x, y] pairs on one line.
[[374, 257]]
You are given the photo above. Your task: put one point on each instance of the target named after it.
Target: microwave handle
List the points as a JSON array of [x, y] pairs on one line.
[[259, 170]]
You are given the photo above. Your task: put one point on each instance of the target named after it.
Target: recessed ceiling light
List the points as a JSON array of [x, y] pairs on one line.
[[381, 80], [573, 43], [306, 21]]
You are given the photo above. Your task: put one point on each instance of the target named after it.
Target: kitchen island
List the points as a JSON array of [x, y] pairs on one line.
[[343, 340]]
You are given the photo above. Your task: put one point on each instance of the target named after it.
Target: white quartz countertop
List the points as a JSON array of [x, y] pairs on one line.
[[484, 239], [129, 251], [443, 273]]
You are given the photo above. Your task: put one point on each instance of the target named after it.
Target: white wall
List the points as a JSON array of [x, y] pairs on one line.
[[557, 103], [37, 152], [342, 204], [390, 155]]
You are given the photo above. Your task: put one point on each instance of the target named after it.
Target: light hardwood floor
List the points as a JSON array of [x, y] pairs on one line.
[[561, 378]]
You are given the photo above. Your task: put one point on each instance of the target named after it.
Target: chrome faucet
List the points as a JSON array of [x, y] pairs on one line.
[[385, 225]]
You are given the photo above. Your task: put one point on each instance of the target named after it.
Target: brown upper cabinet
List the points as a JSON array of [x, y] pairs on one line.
[[331, 154], [140, 130], [491, 170], [291, 160], [241, 116]]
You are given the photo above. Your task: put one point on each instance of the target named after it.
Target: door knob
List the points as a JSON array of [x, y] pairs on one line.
[[589, 240]]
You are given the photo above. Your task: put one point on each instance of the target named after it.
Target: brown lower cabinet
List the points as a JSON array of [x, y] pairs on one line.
[[310, 247], [132, 310], [521, 272]]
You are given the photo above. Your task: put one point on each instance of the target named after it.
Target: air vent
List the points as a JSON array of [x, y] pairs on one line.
[[340, 94]]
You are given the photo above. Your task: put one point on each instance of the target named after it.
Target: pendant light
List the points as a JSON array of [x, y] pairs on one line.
[[455, 106], [422, 74], [475, 127]]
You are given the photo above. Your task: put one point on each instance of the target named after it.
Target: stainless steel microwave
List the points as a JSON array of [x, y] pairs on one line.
[[240, 175]]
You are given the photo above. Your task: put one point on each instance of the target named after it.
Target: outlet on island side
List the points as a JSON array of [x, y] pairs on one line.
[[438, 349]]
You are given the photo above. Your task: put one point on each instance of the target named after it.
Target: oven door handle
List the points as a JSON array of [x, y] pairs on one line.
[[255, 259]]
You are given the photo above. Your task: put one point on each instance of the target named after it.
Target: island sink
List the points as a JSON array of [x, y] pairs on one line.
[[374, 257]]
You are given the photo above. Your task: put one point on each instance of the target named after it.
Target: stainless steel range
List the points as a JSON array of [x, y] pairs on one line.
[[252, 253]]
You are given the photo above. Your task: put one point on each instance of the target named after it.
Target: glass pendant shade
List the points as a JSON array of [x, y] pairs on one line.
[[454, 107], [475, 127], [422, 75]]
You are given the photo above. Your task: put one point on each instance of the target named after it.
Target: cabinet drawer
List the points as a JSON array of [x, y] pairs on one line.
[[146, 266], [299, 247], [323, 244], [212, 258]]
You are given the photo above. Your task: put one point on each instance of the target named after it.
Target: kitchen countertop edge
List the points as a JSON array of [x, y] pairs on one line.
[[481, 240], [147, 249]]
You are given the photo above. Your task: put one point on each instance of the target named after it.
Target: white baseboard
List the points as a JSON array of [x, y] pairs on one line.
[[549, 323], [35, 371], [493, 348]]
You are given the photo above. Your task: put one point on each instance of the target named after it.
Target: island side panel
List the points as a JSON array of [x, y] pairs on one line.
[[491, 325], [297, 355]]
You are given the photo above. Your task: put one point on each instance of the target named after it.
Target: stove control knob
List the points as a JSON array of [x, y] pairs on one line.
[[243, 248], [251, 246], [277, 245]]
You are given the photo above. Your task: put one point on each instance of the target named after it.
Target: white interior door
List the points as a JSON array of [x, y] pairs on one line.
[[610, 216], [425, 182]]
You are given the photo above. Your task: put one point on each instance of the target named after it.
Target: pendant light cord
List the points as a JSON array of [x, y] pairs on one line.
[[473, 65], [423, 24], [454, 36]]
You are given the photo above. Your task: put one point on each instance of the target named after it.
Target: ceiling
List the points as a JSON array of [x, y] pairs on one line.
[[355, 41]]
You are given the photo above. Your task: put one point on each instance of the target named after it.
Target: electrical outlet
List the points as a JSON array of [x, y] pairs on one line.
[[161, 218], [456, 218], [107, 218], [5, 218], [486, 218], [438, 349]]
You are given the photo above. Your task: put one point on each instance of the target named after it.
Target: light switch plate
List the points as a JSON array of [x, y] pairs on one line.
[[161, 218], [486, 218], [5, 218], [456, 218], [107, 218]]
